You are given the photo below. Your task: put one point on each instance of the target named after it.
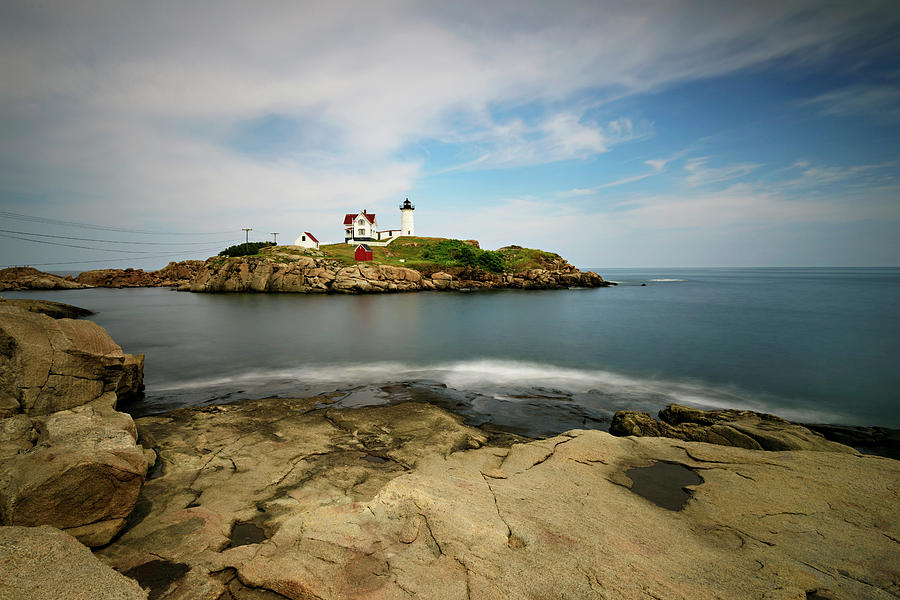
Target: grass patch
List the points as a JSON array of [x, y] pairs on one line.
[[425, 254], [518, 259]]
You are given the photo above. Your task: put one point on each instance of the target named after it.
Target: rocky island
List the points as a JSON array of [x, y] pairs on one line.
[[297, 498], [410, 264]]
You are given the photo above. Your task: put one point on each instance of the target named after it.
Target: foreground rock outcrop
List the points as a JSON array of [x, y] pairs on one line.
[[311, 274], [29, 278], [67, 457], [290, 497], [39, 563], [49, 364], [739, 428], [56, 310]]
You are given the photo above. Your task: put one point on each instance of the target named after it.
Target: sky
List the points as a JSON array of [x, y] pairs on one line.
[[618, 134]]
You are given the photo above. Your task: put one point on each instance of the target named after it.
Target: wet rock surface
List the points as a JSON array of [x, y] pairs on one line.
[[870, 440], [446, 514], [739, 428], [664, 484]]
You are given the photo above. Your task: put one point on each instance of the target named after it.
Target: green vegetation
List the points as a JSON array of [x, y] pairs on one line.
[[424, 254], [458, 253], [245, 249], [429, 255], [517, 259]]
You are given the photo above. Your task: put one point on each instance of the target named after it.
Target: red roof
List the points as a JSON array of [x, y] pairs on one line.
[[311, 236], [350, 217]]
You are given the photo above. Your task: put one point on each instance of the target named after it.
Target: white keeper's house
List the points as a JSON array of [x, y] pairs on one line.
[[307, 240], [363, 227]]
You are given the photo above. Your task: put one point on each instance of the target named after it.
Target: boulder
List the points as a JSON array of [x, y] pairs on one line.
[[55, 364], [84, 474], [43, 563], [293, 498], [29, 278], [67, 457], [739, 428]]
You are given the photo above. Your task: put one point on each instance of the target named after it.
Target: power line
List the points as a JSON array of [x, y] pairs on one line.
[[21, 217], [81, 262], [89, 247], [65, 237]]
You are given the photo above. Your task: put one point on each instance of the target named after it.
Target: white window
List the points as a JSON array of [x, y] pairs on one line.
[[360, 222], [303, 237], [362, 232]]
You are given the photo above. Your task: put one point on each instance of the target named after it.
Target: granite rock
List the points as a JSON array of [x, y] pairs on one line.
[[43, 563], [29, 278], [739, 428], [85, 469], [293, 498]]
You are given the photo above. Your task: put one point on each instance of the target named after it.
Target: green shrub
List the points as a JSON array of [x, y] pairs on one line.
[[490, 260], [246, 249], [459, 253]]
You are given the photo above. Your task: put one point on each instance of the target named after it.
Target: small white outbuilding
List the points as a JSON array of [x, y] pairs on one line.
[[307, 240]]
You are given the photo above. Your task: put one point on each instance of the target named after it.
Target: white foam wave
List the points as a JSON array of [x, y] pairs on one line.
[[507, 379]]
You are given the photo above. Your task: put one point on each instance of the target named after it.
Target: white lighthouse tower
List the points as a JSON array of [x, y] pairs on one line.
[[407, 228]]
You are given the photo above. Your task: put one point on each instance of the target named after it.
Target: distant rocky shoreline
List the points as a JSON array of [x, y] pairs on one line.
[[289, 273]]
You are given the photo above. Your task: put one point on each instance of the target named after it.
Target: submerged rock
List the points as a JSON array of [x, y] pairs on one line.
[[444, 514], [739, 428], [43, 563]]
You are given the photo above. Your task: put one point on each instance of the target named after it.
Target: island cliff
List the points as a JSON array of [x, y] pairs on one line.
[[412, 264], [282, 272]]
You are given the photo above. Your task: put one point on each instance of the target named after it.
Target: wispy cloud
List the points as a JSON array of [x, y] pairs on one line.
[[123, 111], [699, 173], [870, 100], [556, 137]]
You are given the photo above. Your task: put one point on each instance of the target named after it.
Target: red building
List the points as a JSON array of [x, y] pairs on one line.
[[363, 252]]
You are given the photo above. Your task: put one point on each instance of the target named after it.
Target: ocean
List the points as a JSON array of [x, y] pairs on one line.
[[817, 345]]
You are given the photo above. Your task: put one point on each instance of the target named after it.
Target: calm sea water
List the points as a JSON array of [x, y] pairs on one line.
[[814, 345]]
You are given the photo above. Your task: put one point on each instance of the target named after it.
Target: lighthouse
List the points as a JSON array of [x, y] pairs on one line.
[[407, 227]]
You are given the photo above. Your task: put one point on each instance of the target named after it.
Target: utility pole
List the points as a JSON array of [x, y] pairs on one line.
[[247, 231], [275, 239]]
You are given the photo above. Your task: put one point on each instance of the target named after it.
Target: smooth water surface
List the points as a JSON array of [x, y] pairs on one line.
[[815, 345]]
